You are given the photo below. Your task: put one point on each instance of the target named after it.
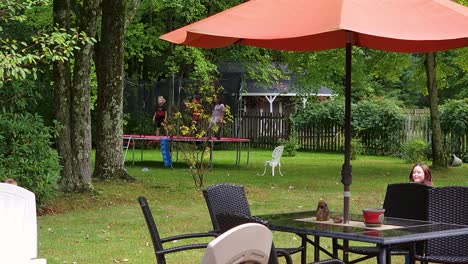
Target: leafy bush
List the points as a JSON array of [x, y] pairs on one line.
[[326, 112], [454, 121], [376, 118], [415, 150], [291, 145], [380, 117], [196, 154], [454, 116], [139, 123], [356, 148], [26, 154], [464, 157]]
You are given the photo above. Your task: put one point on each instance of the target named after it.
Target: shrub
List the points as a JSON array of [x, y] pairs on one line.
[[356, 148], [454, 121], [454, 116], [415, 150], [291, 145], [464, 157], [324, 112], [26, 154], [378, 118]]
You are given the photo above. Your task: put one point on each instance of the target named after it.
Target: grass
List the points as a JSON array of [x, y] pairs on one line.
[[108, 227]]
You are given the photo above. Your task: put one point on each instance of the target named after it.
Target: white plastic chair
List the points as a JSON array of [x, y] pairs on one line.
[[247, 243], [18, 226], [275, 161]]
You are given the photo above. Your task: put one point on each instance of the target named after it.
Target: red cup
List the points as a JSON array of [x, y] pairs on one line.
[[373, 217]]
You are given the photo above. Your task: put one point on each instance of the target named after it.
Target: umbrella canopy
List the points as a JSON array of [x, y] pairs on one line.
[[301, 25]]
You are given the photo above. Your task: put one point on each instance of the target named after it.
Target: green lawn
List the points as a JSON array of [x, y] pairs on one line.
[[108, 227]]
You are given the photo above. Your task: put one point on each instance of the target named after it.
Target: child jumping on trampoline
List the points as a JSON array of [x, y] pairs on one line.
[[160, 116], [217, 118]]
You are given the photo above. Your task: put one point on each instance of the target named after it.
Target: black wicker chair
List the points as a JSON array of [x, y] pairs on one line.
[[231, 199], [158, 242], [227, 221], [402, 200], [448, 205]]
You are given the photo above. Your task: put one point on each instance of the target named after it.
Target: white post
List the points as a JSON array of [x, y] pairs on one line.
[[261, 123], [280, 106], [271, 99], [304, 101]]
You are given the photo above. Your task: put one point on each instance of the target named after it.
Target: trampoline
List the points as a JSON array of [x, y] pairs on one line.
[[131, 139]]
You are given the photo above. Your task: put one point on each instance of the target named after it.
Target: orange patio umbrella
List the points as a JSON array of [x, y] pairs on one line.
[[306, 25]]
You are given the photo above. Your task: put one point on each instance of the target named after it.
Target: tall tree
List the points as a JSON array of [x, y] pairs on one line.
[[439, 155], [74, 89], [62, 96], [109, 65]]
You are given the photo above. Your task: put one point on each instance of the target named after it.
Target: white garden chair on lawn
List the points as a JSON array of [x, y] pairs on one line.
[[18, 226], [275, 161]]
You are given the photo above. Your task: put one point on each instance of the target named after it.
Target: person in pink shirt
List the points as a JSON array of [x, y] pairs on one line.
[[217, 117]]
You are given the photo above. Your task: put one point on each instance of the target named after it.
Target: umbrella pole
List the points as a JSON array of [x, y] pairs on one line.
[[346, 174]]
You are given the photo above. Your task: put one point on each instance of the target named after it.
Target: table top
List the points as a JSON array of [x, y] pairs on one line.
[[393, 230]]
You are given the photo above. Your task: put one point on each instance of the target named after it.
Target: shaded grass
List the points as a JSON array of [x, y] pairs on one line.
[[108, 226]]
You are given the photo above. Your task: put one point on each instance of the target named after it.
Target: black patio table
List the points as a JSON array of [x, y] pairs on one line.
[[394, 231]]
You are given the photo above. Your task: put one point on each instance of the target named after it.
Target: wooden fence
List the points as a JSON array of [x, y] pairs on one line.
[[416, 125], [266, 129], [263, 129]]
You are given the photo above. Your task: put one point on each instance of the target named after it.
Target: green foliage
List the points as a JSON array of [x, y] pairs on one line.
[[356, 148], [196, 154], [375, 116], [20, 54], [373, 71], [454, 117], [202, 69], [327, 112], [26, 154], [151, 58], [19, 96], [259, 63], [139, 123], [14, 10], [19, 59], [378, 73], [454, 121], [415, 150], [291, 145], [381, 117]]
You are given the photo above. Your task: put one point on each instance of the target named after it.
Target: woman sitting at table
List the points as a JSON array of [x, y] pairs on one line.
[[420, 173]]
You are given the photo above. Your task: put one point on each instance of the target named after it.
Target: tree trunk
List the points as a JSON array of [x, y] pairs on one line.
[[73, 100], [109, 160], [62, 85], [439, 157]]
